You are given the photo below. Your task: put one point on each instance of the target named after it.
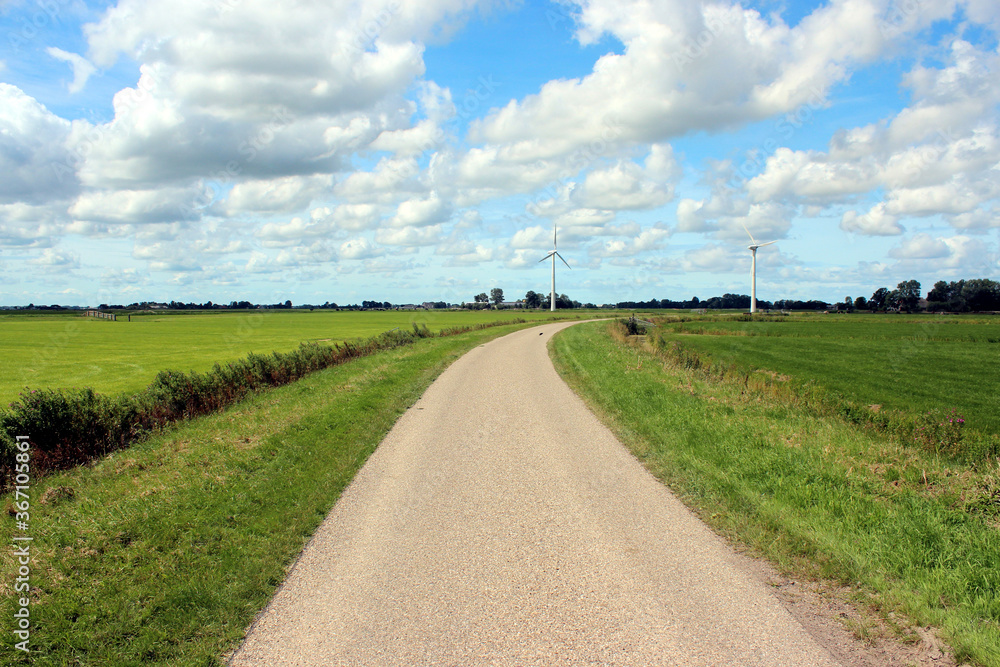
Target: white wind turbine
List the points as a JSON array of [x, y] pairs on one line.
[[553, 255], [753, 268]]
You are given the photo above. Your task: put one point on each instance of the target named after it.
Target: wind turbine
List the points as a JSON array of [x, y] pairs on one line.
[[553, 255], [753, 268]]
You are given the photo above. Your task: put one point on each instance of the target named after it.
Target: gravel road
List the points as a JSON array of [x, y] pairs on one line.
[[499, 523]]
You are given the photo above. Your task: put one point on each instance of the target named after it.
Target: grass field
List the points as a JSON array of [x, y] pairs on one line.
[[64, 351], [906, 363], [163, 553], [913, 534]]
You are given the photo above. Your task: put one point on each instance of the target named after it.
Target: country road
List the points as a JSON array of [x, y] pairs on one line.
[[499, 523]]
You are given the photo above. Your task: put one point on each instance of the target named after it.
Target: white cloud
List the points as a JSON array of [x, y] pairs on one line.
[[922, 252], [137, 206], [279, 195], [360, 248], [938, 156], [648, 240], [876, 222], [356, 217], [35, 164], [421, 212], [409, 236], [921, 246], [82, 68], [53, 259], [626, 185]]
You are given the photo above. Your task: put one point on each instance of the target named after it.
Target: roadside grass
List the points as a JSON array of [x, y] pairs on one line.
[[911, 364], [163, 553], [60, 351], [913, 534]]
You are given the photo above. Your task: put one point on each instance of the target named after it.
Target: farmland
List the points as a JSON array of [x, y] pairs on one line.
[[63, 351], [904, 363]]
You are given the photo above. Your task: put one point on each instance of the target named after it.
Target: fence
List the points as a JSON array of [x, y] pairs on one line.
[[103, 316]]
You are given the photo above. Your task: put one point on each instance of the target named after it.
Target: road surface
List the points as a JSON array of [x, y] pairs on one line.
[[499, 523]]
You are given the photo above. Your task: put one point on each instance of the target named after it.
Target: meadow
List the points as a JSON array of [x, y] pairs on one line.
[[70, 351], [912, 364], [911, 534]]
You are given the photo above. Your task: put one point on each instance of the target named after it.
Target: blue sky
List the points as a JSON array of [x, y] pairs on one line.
[[409, 151]]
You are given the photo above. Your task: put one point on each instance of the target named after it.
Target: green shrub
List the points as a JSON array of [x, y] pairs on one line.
[[939, 432]]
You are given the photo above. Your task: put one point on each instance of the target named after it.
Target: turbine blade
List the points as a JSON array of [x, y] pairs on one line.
[[546, 257], [752, 239], [563, 260], [554, 244], [768, 243]]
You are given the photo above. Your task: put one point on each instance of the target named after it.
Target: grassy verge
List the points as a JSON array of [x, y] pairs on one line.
[[913, 534], [162, 554]]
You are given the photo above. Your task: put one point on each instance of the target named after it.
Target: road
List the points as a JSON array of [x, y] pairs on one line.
[[499, 523]]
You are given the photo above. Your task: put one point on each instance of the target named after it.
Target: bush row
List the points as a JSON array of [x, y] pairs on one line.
[[70, 427], [936, 431]]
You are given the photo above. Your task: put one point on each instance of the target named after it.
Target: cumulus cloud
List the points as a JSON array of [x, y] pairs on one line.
[[876, 222], [53, 259], [360, 248], [937, 156], [409, 236], [421, 212], [137, 206], [36, 166]]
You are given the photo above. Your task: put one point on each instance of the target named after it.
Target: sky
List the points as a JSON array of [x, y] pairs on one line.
[[425, 150]]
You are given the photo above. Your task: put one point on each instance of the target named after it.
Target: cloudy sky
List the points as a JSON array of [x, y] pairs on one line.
[[411, 150]]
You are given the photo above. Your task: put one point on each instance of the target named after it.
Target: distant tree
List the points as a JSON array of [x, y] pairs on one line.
[[861, 303], [980, 294], [908, 295], [532, 299], [496, 296], [878, 300], [563, 301]]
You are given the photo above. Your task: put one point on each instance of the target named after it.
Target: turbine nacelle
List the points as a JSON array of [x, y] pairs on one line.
[[556, 254]]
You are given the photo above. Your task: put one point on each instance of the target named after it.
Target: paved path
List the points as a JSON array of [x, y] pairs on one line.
[[500, 523]]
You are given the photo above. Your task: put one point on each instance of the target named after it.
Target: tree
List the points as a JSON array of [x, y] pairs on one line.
[[908, 295], [877, 302], [861, 303], [496, 296], [532, 299]]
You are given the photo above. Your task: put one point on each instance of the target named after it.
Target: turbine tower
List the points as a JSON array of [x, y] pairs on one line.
[[753, 268], [553, 255]]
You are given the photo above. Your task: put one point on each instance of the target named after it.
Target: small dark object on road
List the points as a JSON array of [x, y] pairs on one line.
[[542, 333]]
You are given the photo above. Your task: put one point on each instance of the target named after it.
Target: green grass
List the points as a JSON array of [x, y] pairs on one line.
[[911, 533], [66, 351], [162, 554], [911, 364]]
